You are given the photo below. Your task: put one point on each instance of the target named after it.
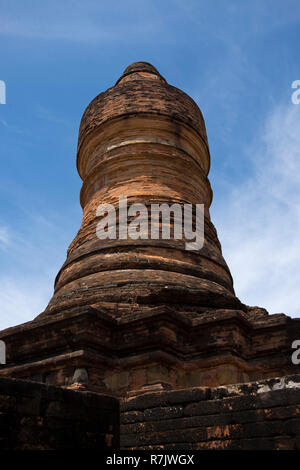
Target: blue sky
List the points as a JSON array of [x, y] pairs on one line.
[[236, 58]]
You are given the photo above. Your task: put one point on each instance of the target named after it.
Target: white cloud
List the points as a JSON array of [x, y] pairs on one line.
[[32, 255], [259, 222], [23, 299], [4, 237]]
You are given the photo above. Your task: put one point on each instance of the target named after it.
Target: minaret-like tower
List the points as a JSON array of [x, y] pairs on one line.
[[129, 316]]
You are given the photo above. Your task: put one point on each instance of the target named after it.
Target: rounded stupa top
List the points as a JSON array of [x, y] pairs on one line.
[[140, 67], [139, 70], [141, 90]]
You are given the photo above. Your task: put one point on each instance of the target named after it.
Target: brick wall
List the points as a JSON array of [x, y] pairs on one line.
[[257, 415], [40, 417]]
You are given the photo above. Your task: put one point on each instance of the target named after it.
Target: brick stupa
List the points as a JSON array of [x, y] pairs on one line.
[[131, 316]]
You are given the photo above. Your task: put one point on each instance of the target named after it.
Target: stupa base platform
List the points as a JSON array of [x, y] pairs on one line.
[[150, 348]]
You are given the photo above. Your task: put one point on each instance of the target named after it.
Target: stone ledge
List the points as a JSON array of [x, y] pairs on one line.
[[164, 398]]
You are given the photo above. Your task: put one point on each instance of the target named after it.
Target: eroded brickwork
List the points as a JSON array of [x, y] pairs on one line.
[[34, 416], [255, 416], [259, 415]]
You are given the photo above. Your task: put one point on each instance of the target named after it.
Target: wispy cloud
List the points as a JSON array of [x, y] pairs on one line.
[[50, 116], [80, 22], [22, 299], [4, 237], [30, 259], [259, 222], [3, 122]]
